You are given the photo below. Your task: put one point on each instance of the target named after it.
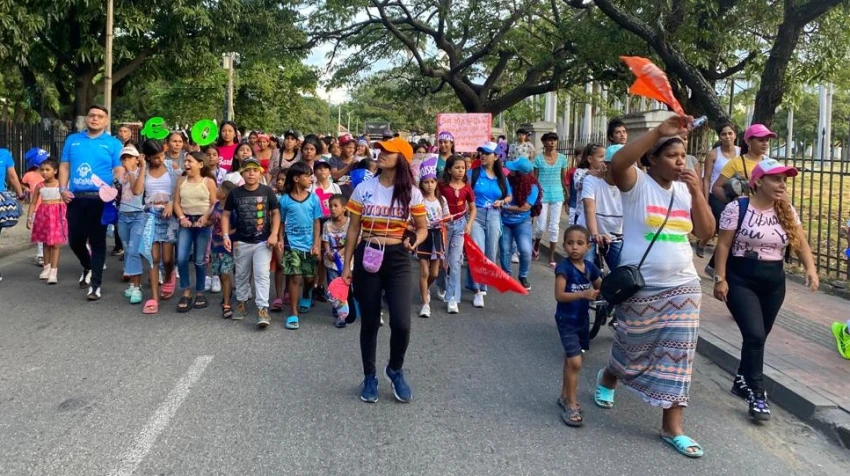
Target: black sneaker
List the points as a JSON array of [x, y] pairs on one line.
[[94, 293], [525, 283], [759, 408], [85, 278], [740, 388], [319, 294], [117, 252]]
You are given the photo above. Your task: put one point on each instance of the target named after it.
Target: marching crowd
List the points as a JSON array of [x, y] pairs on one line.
[[278, 220]]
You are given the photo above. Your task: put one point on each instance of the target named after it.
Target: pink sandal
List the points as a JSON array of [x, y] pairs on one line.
[[168, 288], [277, 305], [151, 307]]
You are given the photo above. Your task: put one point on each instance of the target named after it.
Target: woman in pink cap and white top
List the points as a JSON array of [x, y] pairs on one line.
[[749, 271], [735, 175]]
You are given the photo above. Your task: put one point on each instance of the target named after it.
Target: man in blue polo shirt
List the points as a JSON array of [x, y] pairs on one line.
[[88, 153], [7, 169]]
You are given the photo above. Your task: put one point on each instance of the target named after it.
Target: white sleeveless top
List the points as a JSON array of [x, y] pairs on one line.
[[719, 162]]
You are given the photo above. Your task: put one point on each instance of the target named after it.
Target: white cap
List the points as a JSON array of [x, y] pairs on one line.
[[129, 150]]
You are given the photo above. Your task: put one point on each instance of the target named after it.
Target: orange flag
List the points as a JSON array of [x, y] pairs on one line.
[[486, 272], [651, 82]]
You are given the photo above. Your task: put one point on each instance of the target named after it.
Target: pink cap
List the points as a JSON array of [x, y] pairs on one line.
[[758, 130], [771, 167]]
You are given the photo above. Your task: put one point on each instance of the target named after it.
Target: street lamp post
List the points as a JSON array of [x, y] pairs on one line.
[[348, 123], [107, 76]]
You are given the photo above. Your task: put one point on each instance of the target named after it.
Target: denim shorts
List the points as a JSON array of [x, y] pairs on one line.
[[575, 333]]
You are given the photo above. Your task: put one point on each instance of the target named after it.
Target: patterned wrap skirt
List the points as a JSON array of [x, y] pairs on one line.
[[655, 343], [50, 225]]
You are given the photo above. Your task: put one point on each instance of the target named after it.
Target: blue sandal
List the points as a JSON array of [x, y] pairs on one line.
[[292, 323], [604, 397], [304, 305], [682, 443]]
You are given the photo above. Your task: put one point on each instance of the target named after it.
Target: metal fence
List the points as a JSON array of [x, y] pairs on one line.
[[19, 138]]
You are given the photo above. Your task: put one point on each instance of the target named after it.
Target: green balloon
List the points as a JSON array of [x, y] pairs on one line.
[[154, 129], [204, 132]]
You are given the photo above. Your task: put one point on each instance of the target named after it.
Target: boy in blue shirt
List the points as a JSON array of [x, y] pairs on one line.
[[577, 283], [300, 212]]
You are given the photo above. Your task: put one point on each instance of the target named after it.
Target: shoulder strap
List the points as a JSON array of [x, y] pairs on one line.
[[744, 161], [743, 205], [660, 228], [476, 172]]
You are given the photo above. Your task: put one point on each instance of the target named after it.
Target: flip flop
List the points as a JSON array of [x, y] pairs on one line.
[[185, 304], [682, 443], [304, 305], [277, 305], [201, 301], [292, 323], [604, 397], [150, 307]]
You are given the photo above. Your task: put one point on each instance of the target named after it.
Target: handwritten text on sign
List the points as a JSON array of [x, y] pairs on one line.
[[470, 130]]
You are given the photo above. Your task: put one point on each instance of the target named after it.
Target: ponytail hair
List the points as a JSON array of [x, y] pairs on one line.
[[788, 221]]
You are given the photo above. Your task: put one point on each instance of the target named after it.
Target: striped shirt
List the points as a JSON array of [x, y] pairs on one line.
[[372, 201], [549, 177]]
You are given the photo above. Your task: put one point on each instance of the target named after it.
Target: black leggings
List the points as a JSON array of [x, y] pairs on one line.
[[84, 227], [756, 293], [394, 279]]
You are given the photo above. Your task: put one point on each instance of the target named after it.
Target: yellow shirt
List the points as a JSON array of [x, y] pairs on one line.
[[736, 167]]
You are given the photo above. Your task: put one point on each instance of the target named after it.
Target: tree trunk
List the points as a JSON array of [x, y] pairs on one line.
[[772, 86], [83, 91]]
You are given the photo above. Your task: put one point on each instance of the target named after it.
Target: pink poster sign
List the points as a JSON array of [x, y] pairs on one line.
[[470, 130]]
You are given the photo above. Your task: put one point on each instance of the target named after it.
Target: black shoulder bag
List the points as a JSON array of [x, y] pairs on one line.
[[625, 281]]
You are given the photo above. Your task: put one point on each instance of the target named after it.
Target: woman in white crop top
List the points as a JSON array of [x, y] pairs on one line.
[[655, 341], [715, 160]]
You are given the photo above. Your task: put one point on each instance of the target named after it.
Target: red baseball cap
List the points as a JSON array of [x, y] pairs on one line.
[[345, 139]]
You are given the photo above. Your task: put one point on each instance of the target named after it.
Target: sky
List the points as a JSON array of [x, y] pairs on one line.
[[318, 58]]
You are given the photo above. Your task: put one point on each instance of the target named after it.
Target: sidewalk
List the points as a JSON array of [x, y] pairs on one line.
[[17, 238], [803, 372]]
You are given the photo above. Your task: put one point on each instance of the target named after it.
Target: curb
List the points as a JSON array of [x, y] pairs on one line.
[[802, 402]]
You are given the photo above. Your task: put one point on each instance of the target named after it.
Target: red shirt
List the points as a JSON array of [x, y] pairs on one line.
[[457, 198]]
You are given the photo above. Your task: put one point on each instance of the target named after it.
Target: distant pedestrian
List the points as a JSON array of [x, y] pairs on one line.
[[749, 271], [550, 168]]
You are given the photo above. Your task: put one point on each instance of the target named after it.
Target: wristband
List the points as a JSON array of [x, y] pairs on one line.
[[63, 189]]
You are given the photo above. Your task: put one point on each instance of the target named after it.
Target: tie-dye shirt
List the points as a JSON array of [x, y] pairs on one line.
[[670, 262]]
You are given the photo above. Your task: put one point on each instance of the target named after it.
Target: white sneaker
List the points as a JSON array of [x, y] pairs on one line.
[[45, 273], [478, 300], [53, 278], [207, 284], [426, 310], [515, 258], [216, 284], [452, 308], [441, 295]]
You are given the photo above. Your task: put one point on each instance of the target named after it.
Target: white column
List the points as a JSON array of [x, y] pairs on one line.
[[789, 139], [821, 122], [587, 120], [827, 141], [550, 107], [628, 107], [565, 126], [603, 115]]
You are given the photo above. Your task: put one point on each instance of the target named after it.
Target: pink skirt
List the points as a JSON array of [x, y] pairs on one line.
[[50, 226]]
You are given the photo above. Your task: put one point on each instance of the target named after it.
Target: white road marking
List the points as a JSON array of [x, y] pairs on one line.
[[147, 437]]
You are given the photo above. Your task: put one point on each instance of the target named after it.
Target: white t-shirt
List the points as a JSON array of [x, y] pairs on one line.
[[435, 211], [235, 178], [578, 183], [609, 205], [670, 261]]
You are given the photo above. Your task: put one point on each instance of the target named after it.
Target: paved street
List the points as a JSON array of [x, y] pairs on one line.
[[98, 388]]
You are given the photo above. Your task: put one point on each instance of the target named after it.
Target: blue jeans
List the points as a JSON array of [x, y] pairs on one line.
[[130, 228], [612, 256], [187, 240], [519, 233], [454, 258], [486, 233]]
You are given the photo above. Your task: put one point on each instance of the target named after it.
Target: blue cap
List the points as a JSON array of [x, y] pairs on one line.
[[488, 148], [521, 165], [611, 150], [35, 157]]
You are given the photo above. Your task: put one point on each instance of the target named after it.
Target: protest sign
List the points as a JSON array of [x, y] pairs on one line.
[[469, 130], [204, 132]]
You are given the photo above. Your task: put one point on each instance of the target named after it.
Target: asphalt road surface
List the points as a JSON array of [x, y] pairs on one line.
[[100, 389]]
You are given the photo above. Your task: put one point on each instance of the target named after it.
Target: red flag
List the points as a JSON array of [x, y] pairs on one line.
[[651, 82], [486, 272]]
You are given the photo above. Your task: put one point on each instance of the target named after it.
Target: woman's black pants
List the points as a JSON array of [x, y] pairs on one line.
[[756, 293], [394, 280]]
